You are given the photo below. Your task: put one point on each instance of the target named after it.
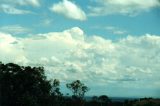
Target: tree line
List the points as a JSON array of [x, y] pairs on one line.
[[28, 86]]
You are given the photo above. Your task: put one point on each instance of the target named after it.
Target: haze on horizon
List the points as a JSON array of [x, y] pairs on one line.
[[113, 46]]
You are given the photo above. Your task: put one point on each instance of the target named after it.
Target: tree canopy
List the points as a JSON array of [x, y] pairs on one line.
[[78, 88], [21, 85], [28, 86]]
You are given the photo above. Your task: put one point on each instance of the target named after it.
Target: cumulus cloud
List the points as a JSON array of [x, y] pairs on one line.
[[70, 54], [69, 9], [124, 7]]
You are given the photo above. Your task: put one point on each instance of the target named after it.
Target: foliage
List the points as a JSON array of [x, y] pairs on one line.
[[20, 85], [56, 88], [78, 88], [28, 86]]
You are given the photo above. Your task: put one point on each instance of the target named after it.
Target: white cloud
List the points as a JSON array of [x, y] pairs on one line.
[[13, 6], [46, 22], [125, 7], [111, 29], [115, 30], [14, 29], [12, 10], [69, 9], [90, 58], [34, 3]]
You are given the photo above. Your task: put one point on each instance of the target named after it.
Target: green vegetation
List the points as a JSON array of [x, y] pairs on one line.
[[28, 86]]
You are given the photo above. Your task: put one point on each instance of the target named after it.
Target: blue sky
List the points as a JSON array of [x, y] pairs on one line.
[[114, 43]]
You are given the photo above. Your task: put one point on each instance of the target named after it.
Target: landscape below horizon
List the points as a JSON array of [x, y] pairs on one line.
[[112, 46]]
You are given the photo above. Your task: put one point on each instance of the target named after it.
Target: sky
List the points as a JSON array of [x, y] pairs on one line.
[[113, 46]]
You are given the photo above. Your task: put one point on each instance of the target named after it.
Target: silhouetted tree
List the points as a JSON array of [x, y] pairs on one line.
[[78, 88], [56, 95], [56, 88], [23, 86], [104, 100], [94, 98]]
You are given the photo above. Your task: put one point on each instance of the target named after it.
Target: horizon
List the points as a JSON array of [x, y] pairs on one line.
[[111, 46]]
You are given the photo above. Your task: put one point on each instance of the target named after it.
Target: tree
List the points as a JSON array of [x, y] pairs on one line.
[[23, 86], [103, 99], [56, 88], [78, 89], [56, 95]]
